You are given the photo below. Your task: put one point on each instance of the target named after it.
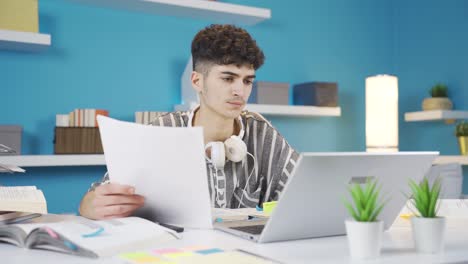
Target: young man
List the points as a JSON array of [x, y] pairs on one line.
[[225, 59]]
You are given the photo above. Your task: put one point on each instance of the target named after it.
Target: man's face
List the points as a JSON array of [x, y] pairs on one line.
[[226, 89]]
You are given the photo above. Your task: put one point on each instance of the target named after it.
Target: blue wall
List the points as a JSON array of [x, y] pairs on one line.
[[126, 62], [431, 46]]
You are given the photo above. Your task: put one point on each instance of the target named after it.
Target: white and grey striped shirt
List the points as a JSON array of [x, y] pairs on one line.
[[275, 160]]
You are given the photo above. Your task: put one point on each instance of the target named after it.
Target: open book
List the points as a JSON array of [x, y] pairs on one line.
[[22, 199], [80, 236]]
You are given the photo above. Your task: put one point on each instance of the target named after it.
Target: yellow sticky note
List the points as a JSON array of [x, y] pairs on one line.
[[406, 216], [133, 255], [141, 257], [268, 207], [178, 255]]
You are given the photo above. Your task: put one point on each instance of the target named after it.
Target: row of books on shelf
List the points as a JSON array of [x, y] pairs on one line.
[[146, 117], [87, 117], [78, 132], [80, 118]]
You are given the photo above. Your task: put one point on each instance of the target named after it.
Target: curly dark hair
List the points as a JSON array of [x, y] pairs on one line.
[[223, 45]]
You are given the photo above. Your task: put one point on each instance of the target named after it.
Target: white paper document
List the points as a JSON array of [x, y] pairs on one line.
[[11, 168], [164, 164], [455, 212]]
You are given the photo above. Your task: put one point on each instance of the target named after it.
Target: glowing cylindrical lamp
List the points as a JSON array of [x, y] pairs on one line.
[[382, 113]]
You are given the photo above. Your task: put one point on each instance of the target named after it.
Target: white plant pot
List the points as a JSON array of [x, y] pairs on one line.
[[428, 234], [364, 238]]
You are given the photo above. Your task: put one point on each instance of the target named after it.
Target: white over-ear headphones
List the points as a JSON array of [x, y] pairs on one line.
[[233, 148]]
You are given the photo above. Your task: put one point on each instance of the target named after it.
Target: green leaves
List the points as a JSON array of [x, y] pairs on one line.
[[461, 130], [425, 198], [439, 90], [366, 208]]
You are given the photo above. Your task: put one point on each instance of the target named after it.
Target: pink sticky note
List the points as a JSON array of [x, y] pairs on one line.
[[51, 232], [195, 248]]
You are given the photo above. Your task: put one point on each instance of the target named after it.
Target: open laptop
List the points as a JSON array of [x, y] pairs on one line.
[[311, 204]]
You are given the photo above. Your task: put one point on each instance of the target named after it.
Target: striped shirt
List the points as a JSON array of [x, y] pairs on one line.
[[274, 161]]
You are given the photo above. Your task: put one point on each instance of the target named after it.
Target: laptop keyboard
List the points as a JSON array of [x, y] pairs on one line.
[[253, 229]]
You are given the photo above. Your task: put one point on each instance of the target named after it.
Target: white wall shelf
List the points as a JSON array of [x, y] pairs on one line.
[[435, 115], [294, 110], [23, 41], [98, 160], [199, 9], [53, 160], [463, 160], [282, 110]]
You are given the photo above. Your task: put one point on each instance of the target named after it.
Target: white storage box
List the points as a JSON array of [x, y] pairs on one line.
[[10, 136]]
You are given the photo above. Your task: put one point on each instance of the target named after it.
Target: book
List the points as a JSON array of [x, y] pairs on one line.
[[22, 199], [80, 236], [19, 15], [146, 117]]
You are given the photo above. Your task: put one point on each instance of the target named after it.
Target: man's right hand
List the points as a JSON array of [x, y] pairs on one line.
[[111, 201]]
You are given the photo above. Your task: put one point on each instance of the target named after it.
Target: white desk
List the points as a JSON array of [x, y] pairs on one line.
[[397, 248]]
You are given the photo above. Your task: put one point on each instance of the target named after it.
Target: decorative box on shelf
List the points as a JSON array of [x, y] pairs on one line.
[[316, 94], [10, 140], [271, 93], [77, 140]]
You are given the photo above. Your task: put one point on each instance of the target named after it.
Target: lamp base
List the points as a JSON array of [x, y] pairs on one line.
[[382, 149]]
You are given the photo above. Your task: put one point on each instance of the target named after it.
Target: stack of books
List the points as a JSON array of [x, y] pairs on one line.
[[27, 199]]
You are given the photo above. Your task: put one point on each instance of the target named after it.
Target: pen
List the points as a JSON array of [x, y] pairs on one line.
[[258, 256], [178, 229]]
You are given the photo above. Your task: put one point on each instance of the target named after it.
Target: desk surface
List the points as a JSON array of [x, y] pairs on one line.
[[397, 248]]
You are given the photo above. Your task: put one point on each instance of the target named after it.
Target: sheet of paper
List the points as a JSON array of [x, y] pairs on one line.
[[454, 210], [164, 164], [11, 168]]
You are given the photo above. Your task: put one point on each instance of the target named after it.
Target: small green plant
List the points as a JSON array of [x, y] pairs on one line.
[[461, 129], [425, 198], [366, 208], [439, 90]]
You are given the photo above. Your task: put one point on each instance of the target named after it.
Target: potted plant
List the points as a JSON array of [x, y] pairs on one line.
[[461, 131], [428, 227], [439, 99], [364, 231]]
